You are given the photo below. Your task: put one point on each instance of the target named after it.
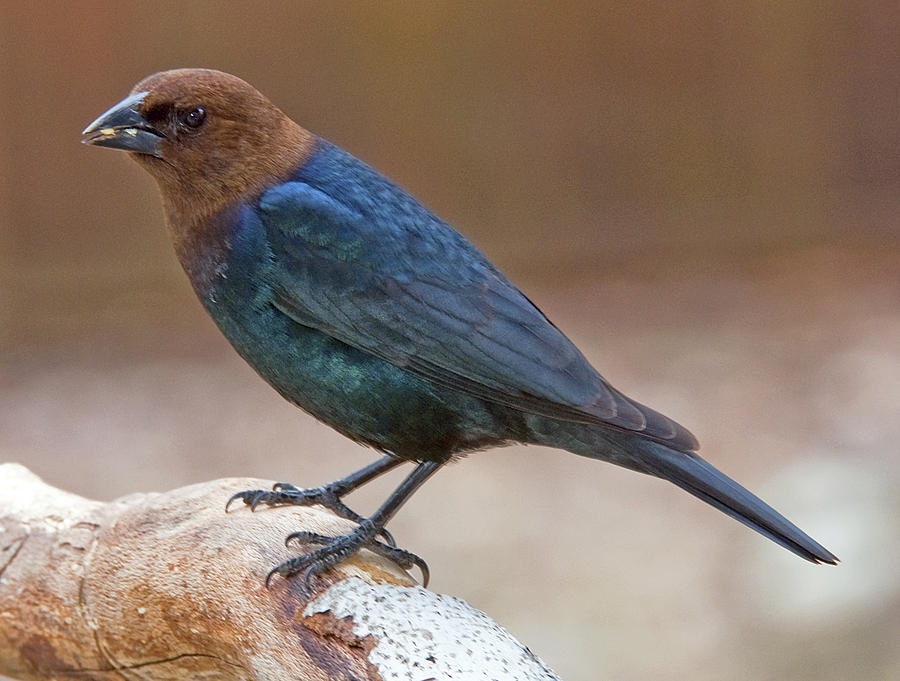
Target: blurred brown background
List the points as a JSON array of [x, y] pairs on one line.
[[704, 195]]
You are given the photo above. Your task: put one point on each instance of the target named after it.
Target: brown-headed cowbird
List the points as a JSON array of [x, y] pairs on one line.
[[361, 307]]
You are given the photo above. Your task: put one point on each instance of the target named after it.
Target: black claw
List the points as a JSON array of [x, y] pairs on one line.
[[249, 497], [307, 575], [414, 560], [405, 559], [388, 537], [284, 487], [272, 572], [233, 498]]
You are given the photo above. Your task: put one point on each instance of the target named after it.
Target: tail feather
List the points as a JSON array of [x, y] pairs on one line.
[[698, 477]]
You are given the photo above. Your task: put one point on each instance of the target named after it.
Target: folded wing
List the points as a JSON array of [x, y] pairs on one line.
[[415, 293]]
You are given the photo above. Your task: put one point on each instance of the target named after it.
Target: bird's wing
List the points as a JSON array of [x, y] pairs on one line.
[[418, 295]]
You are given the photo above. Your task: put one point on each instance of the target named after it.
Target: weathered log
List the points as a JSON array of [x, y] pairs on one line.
[[168, 586]]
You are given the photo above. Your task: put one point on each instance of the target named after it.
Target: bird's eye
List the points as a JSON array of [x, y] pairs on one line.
[[194, 118]]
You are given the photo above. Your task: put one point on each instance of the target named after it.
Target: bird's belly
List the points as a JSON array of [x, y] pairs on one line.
[[361, 396]]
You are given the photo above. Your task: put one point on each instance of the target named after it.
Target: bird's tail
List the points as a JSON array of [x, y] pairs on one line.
[[688, 471], [693, 474]]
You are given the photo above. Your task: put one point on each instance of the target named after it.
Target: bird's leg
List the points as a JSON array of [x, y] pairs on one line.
[[329, 496], [337, 549]]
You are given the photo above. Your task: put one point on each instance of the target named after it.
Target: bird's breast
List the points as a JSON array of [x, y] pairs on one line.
[[220, 252]]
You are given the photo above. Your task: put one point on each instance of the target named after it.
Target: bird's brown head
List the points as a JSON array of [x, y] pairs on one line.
[[207, 137]]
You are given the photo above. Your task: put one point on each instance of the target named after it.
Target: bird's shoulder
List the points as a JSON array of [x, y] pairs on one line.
[[341, 207]]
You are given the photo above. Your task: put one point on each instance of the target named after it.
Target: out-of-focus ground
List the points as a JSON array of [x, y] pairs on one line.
[[704, 198]]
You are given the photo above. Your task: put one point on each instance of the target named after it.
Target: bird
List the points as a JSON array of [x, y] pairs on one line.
[[364, 309]]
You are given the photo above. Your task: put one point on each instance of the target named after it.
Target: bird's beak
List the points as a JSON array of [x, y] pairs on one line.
[[123, 127]]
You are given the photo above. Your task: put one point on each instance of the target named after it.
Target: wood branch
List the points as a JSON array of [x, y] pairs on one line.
[[169, 587]]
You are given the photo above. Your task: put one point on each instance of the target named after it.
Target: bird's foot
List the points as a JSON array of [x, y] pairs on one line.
[[337, 549], [286, 494]]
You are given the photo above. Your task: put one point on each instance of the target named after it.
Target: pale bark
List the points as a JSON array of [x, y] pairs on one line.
[[169, 586]]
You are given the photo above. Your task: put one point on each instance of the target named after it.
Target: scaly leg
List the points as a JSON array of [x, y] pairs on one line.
[[338, 549], [329, 496]]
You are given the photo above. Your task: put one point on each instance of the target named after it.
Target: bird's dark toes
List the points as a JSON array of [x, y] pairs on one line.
[[313, 538], [286, 494], [250, 497], [262, 497], [307, 538], [309, 562], [335, 550], [405, 559]]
